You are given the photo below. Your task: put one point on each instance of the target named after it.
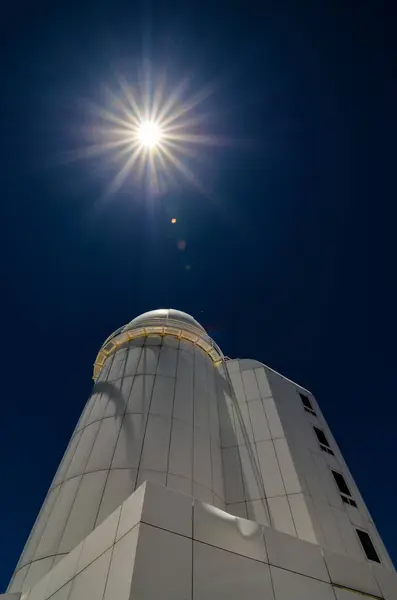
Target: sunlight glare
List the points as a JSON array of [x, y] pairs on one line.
[[149, 134]]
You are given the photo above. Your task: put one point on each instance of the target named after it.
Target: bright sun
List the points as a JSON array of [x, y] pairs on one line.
[[149, 134]]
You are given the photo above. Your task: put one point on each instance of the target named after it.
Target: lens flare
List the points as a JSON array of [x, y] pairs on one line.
[[149, 133]]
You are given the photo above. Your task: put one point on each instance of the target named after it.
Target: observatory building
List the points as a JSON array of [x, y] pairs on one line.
[[193, 476]]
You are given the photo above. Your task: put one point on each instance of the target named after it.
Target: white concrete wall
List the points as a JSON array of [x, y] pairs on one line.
[[153, 415], [259, 473], [301, 497], [334, 521], [161, 544], [235, 436]]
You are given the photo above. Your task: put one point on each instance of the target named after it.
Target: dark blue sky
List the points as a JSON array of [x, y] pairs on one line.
[[291, 246]]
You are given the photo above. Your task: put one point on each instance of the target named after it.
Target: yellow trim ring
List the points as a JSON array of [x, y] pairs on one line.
[[125, 336]]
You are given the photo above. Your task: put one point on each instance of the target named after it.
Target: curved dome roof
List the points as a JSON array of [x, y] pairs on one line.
[[163, 314]]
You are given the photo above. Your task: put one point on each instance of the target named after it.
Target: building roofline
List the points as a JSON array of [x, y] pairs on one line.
[[260, 364]]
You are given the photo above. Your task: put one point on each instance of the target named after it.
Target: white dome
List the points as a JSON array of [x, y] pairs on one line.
[[164, 315]]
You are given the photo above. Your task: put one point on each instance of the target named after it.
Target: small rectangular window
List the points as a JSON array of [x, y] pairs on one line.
[[307, 405], [368, 546], [341, 483], [322, 440], [343, 488], [321, 436]]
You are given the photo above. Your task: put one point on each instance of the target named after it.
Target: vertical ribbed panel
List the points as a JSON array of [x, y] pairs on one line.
[[152, 414]]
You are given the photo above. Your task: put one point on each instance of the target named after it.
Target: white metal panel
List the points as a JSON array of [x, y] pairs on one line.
[[252, 480], [167, 361], [293, 554], [288, 585], [238, 388], [101, 538], [215, 527], [288, 471], [91, 582], [156, 443], [179, 484], [302, 518], [239, 509], [117, 368], [260, 426], [226, 421], [55, 526], [141, 393], [154, 476], [37, 531], [86, 413], [349, 536], [163, 396], [270, 469], [18, 579], [280, 515], [129, 444], [63, 571], [131, 512], [202, 457], [134, 354], [83, 450], [250, 385], [163, 565], [119, 485], [183, 403], [263, 383], [37, 570], [242, 422], [327, 480], [148, 360], [118, 585], [84, 511], [273, 418], [171, 341], [217, 470], [99, 407], [234, 490], [226, 576], [104, 445], [257, 511], [387, 581], [341, 594], [351, 573], [200, 492], [330, 528], [181, 449]]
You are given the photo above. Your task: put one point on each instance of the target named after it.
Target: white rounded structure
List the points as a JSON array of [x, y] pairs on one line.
[[268, 459], [152, 415], [167, 315]]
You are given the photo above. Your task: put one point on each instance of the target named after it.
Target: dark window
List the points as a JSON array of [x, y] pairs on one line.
[[348, 500], [343, 488], [341, 483], [324, 445], [307, 404], [321, 436], [368, 546]]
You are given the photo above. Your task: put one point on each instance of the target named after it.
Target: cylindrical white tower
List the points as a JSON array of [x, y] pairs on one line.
[[152, 414]]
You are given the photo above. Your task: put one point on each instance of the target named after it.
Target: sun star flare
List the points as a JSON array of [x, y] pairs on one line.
[[150, 134]]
